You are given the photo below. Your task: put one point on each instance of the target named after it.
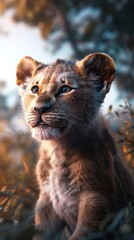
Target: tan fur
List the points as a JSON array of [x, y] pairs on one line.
[[80, 175]]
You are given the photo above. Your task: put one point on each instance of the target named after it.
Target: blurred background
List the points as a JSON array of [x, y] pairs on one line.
[[47, 30]]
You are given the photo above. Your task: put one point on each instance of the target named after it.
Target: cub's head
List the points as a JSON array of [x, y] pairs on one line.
[[63, 97]]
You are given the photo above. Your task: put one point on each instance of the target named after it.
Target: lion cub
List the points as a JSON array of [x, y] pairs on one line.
[[80, 175]]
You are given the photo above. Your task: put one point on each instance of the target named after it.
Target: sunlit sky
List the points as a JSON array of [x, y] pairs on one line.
[[19, 40]]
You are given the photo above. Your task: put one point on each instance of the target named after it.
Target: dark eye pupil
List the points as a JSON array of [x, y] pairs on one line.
[[65, 89], [35, 89]]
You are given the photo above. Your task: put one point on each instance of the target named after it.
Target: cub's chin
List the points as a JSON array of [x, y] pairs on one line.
[[45, 132]]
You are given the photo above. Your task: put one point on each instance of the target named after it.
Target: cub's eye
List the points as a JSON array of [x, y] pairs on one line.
[[65, 89], [34, 89]]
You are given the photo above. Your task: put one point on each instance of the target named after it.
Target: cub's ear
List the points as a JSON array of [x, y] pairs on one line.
[[25, 69], [99, 68]]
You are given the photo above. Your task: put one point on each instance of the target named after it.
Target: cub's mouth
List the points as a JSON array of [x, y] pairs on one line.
[[41, 122], [46, 129]]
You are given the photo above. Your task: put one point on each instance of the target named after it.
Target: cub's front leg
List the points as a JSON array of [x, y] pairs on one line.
[[92, 209], [47, 221]]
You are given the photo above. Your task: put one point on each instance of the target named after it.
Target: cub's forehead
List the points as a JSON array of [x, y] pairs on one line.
[[59, 72]]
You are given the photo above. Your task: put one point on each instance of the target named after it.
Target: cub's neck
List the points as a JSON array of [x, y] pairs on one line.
[[75, 139]]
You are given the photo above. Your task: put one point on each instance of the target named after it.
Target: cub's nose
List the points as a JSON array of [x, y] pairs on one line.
[[42, 107]]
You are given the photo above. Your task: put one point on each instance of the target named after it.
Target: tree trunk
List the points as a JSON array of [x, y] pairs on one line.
[[60, 10]]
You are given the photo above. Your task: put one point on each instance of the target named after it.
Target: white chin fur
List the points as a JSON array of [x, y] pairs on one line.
[[41, 133]]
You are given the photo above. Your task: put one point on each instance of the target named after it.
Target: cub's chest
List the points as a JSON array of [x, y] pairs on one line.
[[62, 191], [65, 180]]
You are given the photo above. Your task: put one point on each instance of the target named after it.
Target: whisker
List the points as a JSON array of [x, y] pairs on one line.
[[74, 117], [64, 117]]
